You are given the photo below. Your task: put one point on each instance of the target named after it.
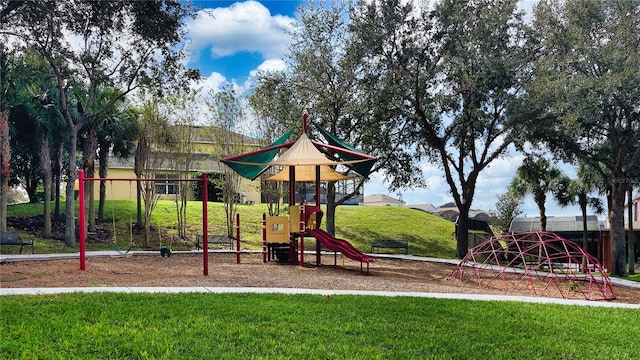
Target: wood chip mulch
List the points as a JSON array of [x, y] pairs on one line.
[[186, 270]]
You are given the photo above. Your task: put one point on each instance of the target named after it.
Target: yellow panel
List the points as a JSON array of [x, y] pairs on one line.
[[312, 222], [277, 229], [294, 218]]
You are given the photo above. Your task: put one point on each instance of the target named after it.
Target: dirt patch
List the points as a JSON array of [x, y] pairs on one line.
[[185, 270]]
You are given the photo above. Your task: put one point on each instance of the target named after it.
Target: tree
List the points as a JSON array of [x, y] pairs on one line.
[[151, 154], [119, 138], [508, 208], [328, 77], [183, 118], [5, 149], [226, 109], [451, 76], [122, 44], [577, 192], [49, 125], [107, 104], [584, 95], [536, 176], [273, 101]]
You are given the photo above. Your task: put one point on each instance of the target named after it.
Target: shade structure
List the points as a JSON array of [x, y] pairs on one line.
[[348, 153], [307, 173], [251, 165], [303, 152]]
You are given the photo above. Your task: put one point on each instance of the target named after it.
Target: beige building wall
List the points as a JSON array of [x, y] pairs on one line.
[[126, 190]]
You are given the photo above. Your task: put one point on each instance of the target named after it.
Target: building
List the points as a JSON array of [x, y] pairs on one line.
[[203, 158], [382, 200], [599, 244]]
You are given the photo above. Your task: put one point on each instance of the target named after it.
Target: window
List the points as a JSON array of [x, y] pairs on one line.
[[166, 187]]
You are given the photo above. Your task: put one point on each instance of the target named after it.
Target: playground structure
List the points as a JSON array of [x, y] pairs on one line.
[[541, 261], [283, 237], [305, 160]]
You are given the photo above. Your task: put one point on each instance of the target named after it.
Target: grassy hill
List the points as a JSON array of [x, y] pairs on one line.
[[428, 235]]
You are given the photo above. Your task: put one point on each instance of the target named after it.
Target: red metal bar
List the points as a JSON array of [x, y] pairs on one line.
[[304, 123], [238, 238], [264, 238], [136, 179], [292, 201], [302, 226], [205, 225], [318, 194], [81, 219]]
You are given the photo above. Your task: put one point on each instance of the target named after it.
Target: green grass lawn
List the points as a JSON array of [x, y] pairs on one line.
[[271, 326], [428, 235]]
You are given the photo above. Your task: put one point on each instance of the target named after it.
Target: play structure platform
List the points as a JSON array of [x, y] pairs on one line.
[[283, 237]]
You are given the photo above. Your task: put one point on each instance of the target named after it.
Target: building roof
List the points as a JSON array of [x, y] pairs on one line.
[[425, 207], [556, 223], [381, 199]]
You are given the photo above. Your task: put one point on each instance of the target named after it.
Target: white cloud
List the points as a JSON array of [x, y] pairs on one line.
[[270, 65], [243, 27]]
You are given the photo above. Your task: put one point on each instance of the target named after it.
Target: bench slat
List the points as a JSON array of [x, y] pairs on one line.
[[216, 239], [390, 244]]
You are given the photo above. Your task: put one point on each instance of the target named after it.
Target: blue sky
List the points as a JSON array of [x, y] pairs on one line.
[[229, 40]]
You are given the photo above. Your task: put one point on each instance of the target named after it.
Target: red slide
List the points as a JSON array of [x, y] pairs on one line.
[[343, 246]]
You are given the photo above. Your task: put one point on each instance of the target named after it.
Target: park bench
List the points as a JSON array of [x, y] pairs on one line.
[[390, 244], [11, 238], [216, 240]]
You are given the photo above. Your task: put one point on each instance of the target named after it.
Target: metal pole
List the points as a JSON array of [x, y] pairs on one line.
[[302, 225], [318, 202], [264, 238], [205, 226], [292, 201], [81, 219], [238, 238]]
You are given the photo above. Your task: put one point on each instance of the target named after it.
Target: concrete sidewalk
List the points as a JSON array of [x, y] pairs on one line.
[[287, 291], [255, 290]]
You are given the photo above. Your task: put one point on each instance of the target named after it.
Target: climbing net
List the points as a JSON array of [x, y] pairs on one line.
[[541, 262]]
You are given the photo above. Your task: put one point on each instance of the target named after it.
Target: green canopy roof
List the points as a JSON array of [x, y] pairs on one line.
[[252, 164], [348, 153]]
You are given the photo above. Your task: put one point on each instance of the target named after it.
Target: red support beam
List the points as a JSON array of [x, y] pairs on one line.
[[205, 225], [238, 238], [81, 219]]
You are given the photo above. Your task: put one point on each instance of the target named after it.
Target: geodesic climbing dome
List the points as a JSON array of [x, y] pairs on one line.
[[542, 262]]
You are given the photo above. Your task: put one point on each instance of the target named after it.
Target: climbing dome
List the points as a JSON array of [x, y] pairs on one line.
[[540, 262]]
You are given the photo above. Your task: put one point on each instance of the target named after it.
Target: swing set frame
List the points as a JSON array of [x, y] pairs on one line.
[[82, 218]]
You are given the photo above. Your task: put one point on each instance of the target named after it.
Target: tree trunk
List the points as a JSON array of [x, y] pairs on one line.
[[616, 223], [331, 208], [56, 171], [102, 173], [583, 208], [462, 232], [139, 222], [45, 166], [540, 198], [70, 227], [5, 161], [89, 162]]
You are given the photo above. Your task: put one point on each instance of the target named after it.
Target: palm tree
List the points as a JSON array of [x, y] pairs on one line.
[[538, 177], [105, 105], [118, 136], [577, 192]]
